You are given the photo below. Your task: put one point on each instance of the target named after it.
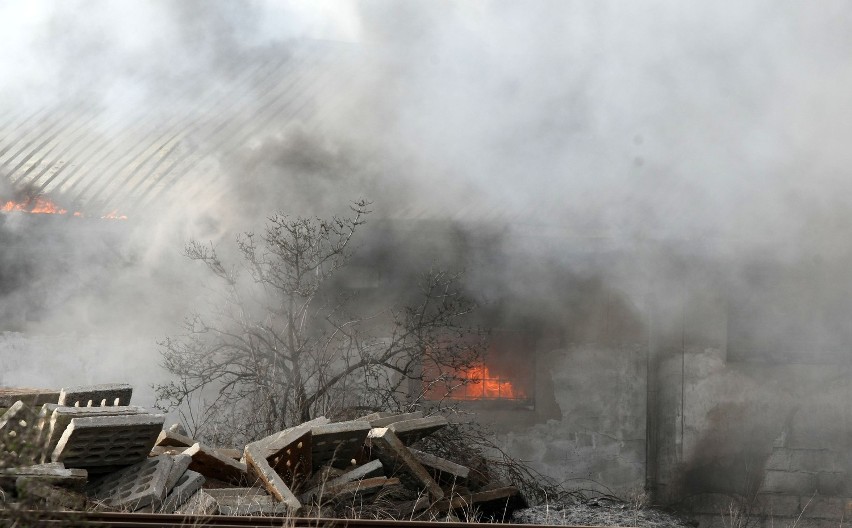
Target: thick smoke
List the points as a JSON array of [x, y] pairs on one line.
[[685, 147]]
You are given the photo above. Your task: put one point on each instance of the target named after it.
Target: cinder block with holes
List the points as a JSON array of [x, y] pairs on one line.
[[179, 467], [110, 394], [399, 462], [61, 417], [410, 431], [107, 442], [30, 397], [338, 444], [135, 487], [260, 469], [289, 454], [187, 486]]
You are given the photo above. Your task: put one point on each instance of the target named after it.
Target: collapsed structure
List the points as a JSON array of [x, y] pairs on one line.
[[87, 448]]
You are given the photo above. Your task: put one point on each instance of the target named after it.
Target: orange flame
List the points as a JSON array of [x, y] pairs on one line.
[[113, 215], [36, 205], [481, 384], [42, 205]]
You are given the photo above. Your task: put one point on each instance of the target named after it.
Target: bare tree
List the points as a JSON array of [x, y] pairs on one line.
[[284, 344]]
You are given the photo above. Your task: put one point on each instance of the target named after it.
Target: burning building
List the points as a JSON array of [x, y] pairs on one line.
[[665, 283]]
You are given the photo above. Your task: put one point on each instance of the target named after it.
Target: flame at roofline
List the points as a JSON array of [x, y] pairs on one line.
[[42, 205]]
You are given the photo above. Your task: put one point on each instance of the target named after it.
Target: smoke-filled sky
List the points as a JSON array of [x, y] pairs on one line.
[[721, 125]]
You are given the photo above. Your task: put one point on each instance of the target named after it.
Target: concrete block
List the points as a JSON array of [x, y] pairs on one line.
[[173, 439], [442, 470], [780, 459], [54, 496], [102, 442], [282, 438], [184, 489], [338, 444], [789, 482], [398, 461], [53, 473], [30, 397], [393, 418], [831, 483], [259, 467], [110, 394], [211, 464], [290, 454], [135, 487], [410, 431], [61, 417], [180, 464], [814, 460]]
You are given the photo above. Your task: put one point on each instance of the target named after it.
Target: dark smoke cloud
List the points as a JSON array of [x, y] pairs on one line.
[[713, 131]]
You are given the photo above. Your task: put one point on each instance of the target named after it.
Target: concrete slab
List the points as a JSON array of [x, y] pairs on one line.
[[30, 397], [348, 490], [211, 464], [410, 431], [54, 496], [159, 450], [100, 443], [180, 464], [187, 486], [338, 444], [259, 468], [96, 395], [135, 487], [199, 504], [173, 439], [276, 441], [444, 471], [62, 415], [53, 473], [393, 418], [374, 416], [398, 461], [289, 454], [369, 470]]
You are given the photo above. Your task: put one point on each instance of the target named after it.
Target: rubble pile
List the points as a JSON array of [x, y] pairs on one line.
[[87, 448]]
